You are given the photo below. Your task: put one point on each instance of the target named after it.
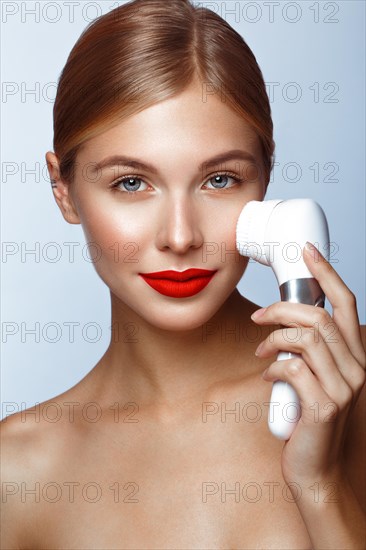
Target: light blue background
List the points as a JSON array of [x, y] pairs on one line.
[[324, 44]]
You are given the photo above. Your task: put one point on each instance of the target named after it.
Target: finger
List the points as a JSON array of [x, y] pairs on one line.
[[341, 298], [311, 396], [306, 316], [317, 357]]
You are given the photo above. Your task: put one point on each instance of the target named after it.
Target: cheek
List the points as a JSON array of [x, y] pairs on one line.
[[119, 232], [220, 241]]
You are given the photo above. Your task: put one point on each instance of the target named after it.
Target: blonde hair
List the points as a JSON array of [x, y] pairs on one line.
[[147, 51]]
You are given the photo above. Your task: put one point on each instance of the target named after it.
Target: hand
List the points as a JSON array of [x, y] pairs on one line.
[[328, 378]]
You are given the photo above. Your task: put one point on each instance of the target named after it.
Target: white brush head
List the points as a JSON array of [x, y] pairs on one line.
[[274, 233], [251, 229]]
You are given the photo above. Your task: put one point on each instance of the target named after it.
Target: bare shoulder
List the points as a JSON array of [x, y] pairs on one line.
[[30, 438], [355, 442], [30, 451], [19, 457]]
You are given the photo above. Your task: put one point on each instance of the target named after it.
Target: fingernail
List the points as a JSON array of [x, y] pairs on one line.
[[258, 349], [314, 251], [258, 313]]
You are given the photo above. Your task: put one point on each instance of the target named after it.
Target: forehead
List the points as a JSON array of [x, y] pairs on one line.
[[191, 121]]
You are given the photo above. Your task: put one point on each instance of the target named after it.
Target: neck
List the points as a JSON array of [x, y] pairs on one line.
[[161, 368]]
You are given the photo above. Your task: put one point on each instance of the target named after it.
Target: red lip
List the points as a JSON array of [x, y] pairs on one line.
[[179, 275], [179, 284]]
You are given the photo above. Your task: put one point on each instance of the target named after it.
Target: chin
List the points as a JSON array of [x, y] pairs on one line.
[[174, 323], [169, 314], [182, 316]]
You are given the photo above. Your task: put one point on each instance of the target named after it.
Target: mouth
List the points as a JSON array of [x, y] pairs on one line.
[[179, 284], [179, 275]]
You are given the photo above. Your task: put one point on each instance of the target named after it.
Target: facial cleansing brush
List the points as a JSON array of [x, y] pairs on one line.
[[274, 232]]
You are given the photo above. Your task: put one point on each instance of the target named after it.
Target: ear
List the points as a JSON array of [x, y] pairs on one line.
[[61, 190]]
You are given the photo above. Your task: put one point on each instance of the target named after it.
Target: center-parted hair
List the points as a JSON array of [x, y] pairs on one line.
[[147, 51]]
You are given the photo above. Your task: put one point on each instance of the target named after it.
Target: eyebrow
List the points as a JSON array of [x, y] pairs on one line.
[[118, 160]]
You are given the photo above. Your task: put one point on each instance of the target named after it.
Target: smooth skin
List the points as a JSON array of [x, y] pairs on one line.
[[173, 367]]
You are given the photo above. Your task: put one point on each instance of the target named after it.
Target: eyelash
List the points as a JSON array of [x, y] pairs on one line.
[[114, 185]]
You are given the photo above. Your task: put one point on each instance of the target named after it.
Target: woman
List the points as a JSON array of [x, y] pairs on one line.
[[162, 133]]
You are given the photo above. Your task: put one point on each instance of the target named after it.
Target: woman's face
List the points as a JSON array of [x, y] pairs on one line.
[[173, 215]]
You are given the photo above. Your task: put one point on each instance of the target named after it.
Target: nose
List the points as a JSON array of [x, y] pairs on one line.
[[180, 225]]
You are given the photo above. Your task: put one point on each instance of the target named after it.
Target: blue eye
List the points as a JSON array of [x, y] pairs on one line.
[[129, 182], [132, 184], [221, 185]]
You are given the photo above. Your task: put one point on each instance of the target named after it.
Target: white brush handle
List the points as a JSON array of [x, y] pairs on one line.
[[284, 409], [274, 233]]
